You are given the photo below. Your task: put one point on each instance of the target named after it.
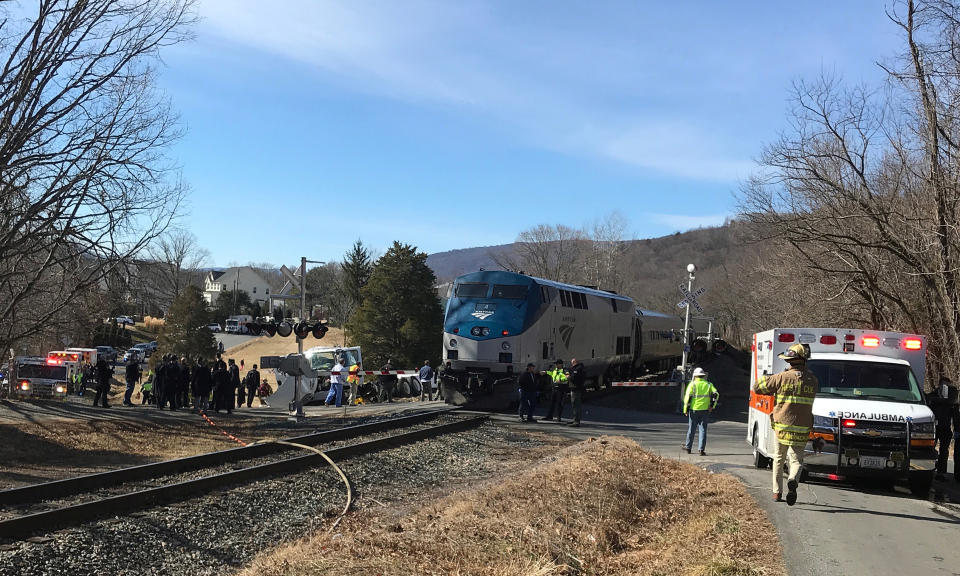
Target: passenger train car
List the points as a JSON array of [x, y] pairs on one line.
[[496, 322]]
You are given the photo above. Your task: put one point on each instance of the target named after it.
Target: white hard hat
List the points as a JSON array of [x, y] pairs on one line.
[[699, 372]]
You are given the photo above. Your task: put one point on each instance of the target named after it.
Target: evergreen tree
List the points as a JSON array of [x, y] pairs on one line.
[[356, 268], [185, 332], [230, 303], [400, 317]]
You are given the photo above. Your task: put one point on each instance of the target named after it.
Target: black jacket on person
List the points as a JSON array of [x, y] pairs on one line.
[[103, 372], [578, 380], [132, 372], [253, 380], [202, 381], [947, 413], [528, 382]]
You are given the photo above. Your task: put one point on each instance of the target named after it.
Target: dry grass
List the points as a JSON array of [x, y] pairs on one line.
[[600, 507], [153, 325], [251, 350]]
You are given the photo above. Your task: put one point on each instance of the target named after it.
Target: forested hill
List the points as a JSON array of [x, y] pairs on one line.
[[651, 269]]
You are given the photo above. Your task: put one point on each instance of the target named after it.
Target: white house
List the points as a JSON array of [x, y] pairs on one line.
[[237, 278]]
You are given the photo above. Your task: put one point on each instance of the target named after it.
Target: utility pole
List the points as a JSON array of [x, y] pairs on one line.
[[691, 269]]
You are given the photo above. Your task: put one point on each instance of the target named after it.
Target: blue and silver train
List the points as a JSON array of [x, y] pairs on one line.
[[496, 322]]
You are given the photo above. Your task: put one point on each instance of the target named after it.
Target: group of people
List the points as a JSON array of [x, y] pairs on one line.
[[562, 384], [388, 382], [175, 383]]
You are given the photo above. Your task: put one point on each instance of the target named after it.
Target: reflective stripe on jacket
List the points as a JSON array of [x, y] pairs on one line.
[[793, 391], [557, 376], [699, 395]]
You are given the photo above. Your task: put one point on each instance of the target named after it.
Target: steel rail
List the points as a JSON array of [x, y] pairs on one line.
[[23, 526], [77, 484]]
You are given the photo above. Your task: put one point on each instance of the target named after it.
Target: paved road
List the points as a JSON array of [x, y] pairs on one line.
[[834, 528], [231, 340]]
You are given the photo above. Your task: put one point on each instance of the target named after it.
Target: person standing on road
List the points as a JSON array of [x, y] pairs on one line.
[[528, 393], [388, 381], [234, 386], [578, 380], [943, 402], [793, 390], [184, 383], [698, 402], [171, 382], [131, 375], [336, 384], [355, 380], [253, 384], [103, 382], [221, 389], [426, 380], [202, 385], [560, 390]]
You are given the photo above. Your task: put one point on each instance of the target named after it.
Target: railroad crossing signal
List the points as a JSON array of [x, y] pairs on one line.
[[691, 299]]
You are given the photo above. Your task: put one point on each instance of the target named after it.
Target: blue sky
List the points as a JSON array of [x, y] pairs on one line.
[[451, 124]]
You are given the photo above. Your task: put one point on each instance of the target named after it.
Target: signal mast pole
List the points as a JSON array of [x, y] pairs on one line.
[[691, 269]]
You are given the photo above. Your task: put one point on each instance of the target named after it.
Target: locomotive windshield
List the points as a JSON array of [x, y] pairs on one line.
[[509, 291], [472, 290]]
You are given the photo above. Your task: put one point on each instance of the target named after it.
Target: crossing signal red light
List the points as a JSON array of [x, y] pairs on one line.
[[319, 330], [284, 329], [302, 330]]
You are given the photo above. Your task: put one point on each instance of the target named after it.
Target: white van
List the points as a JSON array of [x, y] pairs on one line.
[[869, 417]]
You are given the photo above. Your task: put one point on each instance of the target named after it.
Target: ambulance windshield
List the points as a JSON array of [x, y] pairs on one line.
[[866, 380]]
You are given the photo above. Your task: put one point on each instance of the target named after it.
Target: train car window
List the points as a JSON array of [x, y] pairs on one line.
[[563, 299], [583, 297], [576, 300], [509, 291], [472, 290], [626, 344], [546, 350], [613, 302]]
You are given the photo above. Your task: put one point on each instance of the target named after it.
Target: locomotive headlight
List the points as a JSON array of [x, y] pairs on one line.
[[453, 342], [505, 345]]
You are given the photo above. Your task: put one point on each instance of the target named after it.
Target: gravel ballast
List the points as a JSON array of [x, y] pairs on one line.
[[219, 533]]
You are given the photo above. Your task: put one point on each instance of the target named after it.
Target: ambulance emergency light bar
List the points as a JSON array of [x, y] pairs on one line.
[[867, 341]]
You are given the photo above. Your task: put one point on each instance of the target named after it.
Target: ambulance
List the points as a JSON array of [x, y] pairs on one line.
[[870, 419]]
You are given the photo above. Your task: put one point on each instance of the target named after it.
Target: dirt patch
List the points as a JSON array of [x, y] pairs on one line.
[[599, 507], [35, 452]]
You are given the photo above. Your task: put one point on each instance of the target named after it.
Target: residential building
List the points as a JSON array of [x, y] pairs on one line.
[[237, 278]]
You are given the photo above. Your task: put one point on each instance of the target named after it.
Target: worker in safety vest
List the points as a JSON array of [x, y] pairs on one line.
[[561, 389], [793, 391], [698, 402], [354, 380]]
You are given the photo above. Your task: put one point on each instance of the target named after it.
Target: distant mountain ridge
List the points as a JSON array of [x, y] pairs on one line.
[[652, 268]]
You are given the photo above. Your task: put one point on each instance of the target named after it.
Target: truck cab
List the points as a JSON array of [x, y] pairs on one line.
[[870, 416]]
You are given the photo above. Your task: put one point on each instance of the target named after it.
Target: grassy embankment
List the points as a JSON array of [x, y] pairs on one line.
[[600, 507]]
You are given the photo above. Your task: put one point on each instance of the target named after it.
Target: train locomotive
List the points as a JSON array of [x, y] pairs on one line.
[[496, 322]]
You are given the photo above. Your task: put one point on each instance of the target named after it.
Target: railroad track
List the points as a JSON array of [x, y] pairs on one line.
[[66, 513]]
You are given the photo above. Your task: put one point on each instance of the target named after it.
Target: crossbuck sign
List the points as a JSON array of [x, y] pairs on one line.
[[691, 299]]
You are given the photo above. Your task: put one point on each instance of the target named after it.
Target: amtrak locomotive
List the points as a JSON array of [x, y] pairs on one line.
[[496, 322]]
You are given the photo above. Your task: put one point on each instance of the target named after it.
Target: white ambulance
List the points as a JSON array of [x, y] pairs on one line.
[[869, 418]]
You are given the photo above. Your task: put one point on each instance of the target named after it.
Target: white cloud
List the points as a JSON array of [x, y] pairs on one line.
[[682, 222], [543, 84]]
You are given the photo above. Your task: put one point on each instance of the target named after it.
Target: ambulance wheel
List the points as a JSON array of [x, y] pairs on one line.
[[920, 483], [759, 460]]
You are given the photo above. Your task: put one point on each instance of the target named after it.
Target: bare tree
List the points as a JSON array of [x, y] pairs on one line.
[[85, 182], [178, 259], [864, 188], [608, 247], [545, 251]]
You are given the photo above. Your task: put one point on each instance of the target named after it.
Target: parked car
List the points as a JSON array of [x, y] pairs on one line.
[[214, 327], [125, 320], [152, 346], [108, 353], [135, 354], [145, 349]]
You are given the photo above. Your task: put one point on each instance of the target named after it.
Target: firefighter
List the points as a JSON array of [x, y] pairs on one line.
[[793, 390], [561, 388], [699, 401]]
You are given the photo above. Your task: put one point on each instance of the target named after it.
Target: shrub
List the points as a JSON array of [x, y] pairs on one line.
[[154, 325]]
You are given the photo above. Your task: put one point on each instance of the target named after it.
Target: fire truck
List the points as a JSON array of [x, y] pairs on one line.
[[870, 418]]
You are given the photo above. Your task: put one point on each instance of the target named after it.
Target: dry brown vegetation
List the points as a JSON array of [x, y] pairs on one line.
[[600, 507]]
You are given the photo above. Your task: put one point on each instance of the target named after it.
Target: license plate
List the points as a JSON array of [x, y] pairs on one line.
[[873, 462]]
